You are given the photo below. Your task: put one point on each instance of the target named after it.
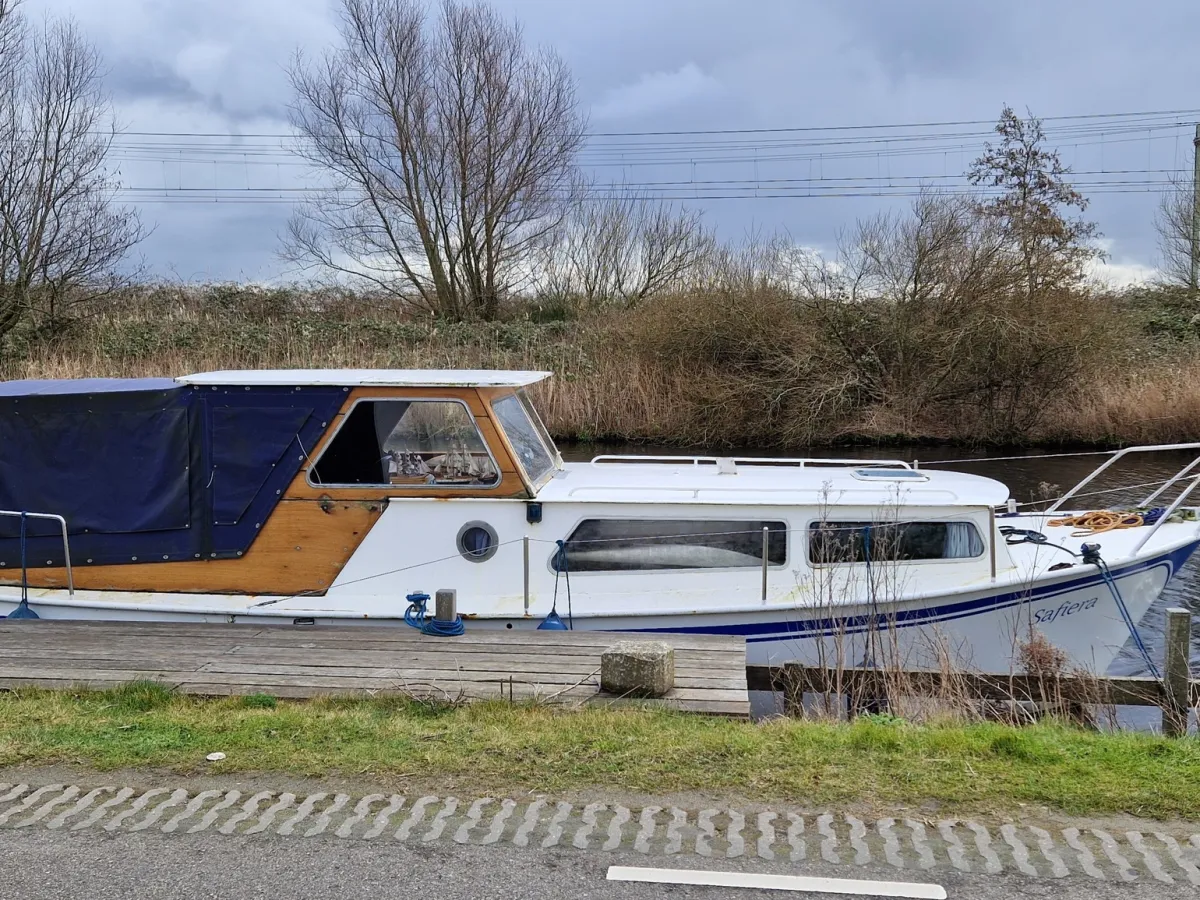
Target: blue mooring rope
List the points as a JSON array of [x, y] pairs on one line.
[[24, 562], [1091, 554], [415, 617], [23, 611]]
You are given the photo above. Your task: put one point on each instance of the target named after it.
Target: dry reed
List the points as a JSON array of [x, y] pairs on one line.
[[752, 373]]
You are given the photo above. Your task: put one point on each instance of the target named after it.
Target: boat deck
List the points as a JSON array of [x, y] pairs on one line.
[[307, 661]]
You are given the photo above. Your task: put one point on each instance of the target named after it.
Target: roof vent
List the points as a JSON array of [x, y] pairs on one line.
[[882, 474]]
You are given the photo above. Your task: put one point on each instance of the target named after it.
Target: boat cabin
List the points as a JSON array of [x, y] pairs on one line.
[[247, 481]]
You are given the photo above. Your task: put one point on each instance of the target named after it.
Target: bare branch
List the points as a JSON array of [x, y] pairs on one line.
[[451, 150], [62, 238], [1173, 222], [625, 248]]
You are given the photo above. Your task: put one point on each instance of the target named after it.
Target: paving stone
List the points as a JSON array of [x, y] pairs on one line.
[[211, 816], [362, 809], [647, 826], [920, 844], [965, 845], [1058, 868], [795, 837], [891, 846], [1113, 852], [415, 815], [766, 835], [616, 826], [1087, 860], [48, 807], [80, 805], [383, 819], [532, 814], [1153, 863], [302, 812]]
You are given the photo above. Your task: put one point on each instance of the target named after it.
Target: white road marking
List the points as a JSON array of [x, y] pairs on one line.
[[778, 882]]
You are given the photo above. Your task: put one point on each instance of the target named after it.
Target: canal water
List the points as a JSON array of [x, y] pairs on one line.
[[1030, 476]]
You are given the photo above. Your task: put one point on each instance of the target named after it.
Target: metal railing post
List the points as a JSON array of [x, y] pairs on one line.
[[66, 540], [1167, 485], [992, 538], [525, 548], [765, 560], [1117, 455], [1166, 514]]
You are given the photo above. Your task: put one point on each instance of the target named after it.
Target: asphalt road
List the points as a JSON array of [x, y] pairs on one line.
[[39, 864]]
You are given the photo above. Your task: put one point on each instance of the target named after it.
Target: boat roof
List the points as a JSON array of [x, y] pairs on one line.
[[365, 378], [55, 387], [770, 483]]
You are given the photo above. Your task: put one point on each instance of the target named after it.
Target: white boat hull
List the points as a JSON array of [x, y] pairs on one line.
[[980, 630]]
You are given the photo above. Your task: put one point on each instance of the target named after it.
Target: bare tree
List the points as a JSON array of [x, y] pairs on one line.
[[451, 148], [62, 237], [11, 31], [624, 248], [1173, 222]]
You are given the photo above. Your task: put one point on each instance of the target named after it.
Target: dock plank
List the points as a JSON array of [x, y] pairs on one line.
[[310, 661]]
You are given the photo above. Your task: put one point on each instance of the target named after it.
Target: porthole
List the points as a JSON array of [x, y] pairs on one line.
[[477, 541]]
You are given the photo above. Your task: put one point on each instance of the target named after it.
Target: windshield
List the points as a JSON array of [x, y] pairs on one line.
[[528, 436]]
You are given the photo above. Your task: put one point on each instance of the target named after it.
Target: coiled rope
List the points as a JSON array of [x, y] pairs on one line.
[[1100, 521], [414, 616]]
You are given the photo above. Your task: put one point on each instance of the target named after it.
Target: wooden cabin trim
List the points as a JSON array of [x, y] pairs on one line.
[[512, 480], [314, 529], [301, 549]]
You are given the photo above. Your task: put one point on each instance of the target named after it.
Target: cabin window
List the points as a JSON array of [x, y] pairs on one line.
[[407, 442], [527, 435], [623, 545], [855, 542]]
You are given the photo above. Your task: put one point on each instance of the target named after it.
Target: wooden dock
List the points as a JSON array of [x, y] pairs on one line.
[[309, 661]]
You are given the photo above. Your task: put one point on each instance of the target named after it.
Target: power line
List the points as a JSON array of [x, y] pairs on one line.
[[1191, 113]]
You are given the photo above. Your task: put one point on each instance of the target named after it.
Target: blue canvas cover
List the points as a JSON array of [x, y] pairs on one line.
[[146, 470], [256, 441]]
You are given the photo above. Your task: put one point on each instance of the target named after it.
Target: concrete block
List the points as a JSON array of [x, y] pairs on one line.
[[638, 668]]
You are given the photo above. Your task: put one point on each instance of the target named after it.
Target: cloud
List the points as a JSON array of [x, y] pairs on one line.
[[138, 78], [1122, 274], [655, 91]]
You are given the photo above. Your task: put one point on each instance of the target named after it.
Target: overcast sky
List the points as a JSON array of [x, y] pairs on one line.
[[219, 66]]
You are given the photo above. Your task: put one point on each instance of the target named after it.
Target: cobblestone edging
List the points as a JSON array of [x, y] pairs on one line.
[[902, 843]]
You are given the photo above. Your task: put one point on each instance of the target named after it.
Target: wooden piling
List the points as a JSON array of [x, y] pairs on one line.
[[1176, 702]]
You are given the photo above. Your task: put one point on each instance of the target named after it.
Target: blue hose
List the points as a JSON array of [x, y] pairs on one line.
[[414, 616]]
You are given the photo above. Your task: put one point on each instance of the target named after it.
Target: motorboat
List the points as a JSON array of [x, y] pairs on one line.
[[310, 497]]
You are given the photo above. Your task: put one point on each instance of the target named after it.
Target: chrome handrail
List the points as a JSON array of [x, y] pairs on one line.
[[800, 461], [1121, 454], [1166, 514], [66, 541]]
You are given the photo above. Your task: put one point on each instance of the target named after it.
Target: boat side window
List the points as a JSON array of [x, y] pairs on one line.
[[525, 433], [855, 542], [407, 442], [623, 545]]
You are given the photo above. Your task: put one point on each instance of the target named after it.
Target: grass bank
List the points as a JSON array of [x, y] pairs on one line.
[[505, 748]]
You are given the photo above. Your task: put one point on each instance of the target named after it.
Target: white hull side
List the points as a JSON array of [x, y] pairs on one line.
[[977, 629]]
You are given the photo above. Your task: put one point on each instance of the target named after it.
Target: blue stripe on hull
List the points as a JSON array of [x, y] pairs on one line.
[[789, 629]]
